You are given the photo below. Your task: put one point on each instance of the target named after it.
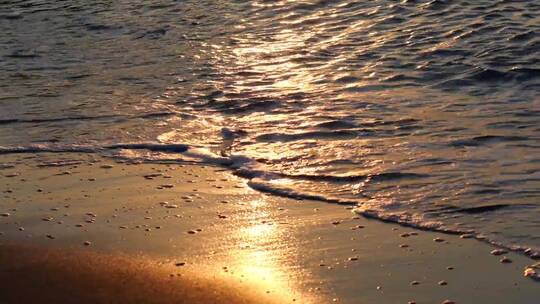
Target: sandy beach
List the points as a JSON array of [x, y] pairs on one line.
[[81, 228]]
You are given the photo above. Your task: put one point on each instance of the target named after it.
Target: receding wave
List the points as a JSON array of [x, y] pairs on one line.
[[268, 181], [424, 221]]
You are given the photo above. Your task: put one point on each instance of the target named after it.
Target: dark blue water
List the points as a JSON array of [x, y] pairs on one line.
[[420, 112]]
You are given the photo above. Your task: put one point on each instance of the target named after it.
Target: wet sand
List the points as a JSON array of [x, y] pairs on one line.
[[80, 227], [38, 275]]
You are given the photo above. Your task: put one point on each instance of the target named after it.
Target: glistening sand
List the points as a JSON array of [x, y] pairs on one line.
[[272, 248]]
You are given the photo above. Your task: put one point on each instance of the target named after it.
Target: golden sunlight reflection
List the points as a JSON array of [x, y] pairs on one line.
[[266, 256], [297, 54]]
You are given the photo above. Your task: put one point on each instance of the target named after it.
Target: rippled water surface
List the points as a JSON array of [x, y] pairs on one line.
[[421, 112]]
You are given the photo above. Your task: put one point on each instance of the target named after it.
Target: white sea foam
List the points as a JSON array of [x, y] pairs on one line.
[[260, 179]]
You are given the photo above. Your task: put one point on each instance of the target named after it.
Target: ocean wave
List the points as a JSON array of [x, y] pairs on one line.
[[268, 181], [424, 222], [6, 121]]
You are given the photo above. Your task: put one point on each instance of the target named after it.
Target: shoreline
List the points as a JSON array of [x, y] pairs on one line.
[[304, 250]]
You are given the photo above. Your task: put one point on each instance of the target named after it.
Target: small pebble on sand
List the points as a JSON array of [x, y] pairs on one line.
[[498, 252], [87, 243], [415, 283], [442, 283], [505, 260], [438, 240], [180, 264], [5, 214], [448, 302]]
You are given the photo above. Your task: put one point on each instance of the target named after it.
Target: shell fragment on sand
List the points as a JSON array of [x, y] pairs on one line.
[[532, 271]]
